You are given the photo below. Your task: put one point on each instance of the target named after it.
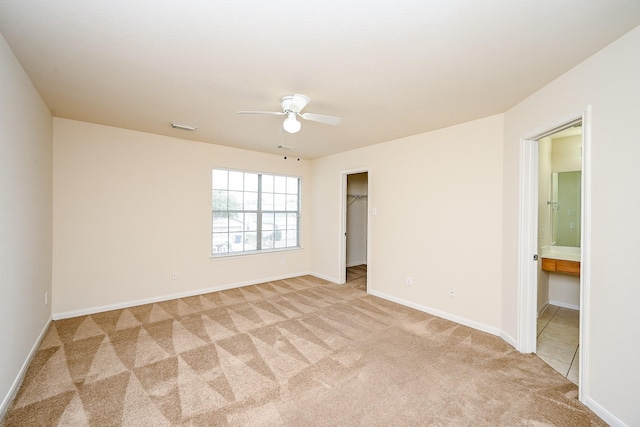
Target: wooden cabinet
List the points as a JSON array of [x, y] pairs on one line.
[[561, 266]]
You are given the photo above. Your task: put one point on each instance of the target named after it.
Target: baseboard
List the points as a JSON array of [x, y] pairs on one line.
[[133, 303], [564, 305], [357, 263], [509, 339], [606, 416], [22, 372], [324, 277], [544, 307], [457, 319]]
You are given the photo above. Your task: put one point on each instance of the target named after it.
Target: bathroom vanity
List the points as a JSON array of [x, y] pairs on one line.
[[559, 259], [561, 265]]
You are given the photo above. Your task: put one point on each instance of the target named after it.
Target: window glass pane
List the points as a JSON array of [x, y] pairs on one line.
[[267, 242], [292, 238], [251, 222], [236, 223], [219, 243], [250, 182], [268, 236], [292, 185], [292, 202], [235, 200], [219, 179], [268, 222], [281, 220], [220, 222], [280, 184], [282, 243], [267, 183], [292, 221], [236, 180], [251, 241], [236, 230], [236, 242], [219, 199], [250, 201], [267, 201], [279, 230], [279, 202]]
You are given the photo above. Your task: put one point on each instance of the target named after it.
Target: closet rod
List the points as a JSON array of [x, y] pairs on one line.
[[355, 197]]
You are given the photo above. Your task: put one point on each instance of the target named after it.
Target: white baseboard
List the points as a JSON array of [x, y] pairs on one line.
[[327, 278], [457, 319], [127, 304], [509, 339], [607, 416], [544, 307], [564, 305], [22, 372], [356, 263]]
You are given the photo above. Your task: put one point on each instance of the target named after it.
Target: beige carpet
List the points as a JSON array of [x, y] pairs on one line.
[[293, 352]]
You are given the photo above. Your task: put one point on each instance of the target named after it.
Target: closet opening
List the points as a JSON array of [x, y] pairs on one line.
[[354, 254]]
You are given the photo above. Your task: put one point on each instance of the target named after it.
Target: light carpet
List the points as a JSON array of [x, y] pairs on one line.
[[296, 352]]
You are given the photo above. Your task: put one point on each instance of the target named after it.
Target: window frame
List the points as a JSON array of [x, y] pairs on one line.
[[254, 227]]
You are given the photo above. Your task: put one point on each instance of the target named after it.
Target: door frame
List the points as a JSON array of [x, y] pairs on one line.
[[342, 261], [528, 242]]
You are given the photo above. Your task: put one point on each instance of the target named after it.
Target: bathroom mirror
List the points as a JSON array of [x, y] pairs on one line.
[[565, 208]]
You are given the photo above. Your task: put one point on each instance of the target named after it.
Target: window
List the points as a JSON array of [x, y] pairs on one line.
[[254, 212]]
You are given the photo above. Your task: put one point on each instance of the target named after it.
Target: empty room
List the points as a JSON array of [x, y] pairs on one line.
[[341, 213]]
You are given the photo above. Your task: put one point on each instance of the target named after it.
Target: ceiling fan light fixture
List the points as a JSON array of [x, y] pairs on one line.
[[290, 124], [292, 106]]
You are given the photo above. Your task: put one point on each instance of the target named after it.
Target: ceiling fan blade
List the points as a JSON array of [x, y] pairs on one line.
[[330, 120], [298, 102], [273, 113]]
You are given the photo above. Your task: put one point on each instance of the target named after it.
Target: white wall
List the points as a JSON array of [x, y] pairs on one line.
[[438, 198], [564, 290], [25, 219], [131, 208], [608, 82]]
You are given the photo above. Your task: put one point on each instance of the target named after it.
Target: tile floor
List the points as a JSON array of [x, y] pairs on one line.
[[558, 338]]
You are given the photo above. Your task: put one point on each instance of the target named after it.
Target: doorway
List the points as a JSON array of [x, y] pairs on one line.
[[355, 202], [531, 236], [559, 234]]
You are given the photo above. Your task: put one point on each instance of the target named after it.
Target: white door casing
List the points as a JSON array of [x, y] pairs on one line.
[[528, 235]]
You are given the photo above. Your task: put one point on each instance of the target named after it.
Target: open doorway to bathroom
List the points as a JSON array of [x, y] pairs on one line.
[[559, 247]]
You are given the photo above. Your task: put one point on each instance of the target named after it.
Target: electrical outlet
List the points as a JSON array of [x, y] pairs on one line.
[[46, 298], [174, 276], [409, 281], [283, 261], [452, 293]]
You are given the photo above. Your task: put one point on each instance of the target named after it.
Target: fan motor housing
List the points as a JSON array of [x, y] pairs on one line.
[[289, 103]]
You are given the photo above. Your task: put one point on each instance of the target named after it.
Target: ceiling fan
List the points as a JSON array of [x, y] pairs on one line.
[[292, 106]]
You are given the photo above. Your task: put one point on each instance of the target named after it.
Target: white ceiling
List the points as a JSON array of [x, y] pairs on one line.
[[389, 68]]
